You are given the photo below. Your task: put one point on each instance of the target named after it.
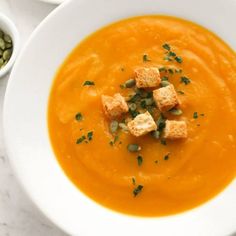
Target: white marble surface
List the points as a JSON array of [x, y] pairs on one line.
[[18, 216]]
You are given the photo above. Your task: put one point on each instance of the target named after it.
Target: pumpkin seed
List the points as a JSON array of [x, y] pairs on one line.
[[176, 112], [114, 126], [2, 44], [1, 34], [123, 126], [7, 38], [1, 62], [156, 134], [148, 101], [132, 106], [130, 83], [8, 45], [133, 148], [1, 52], [7, 54], [164, 83]]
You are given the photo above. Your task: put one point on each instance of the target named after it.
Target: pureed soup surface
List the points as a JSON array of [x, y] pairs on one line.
[[197, 168]]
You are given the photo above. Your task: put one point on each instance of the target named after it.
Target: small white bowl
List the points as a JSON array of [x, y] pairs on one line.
[[8, 27]]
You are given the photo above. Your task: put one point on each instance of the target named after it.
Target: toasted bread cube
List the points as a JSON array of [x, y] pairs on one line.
[[166, 98], [142, 124], [175, 129], [147, 77], [114, 106]]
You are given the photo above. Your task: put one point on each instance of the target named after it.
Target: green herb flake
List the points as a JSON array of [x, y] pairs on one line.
[[179, 59], [116, 138], [171, 71], [161, 122], [90, 135], [167, 58], [180, 92], [178, 71], [166, 46], [137, 190], [171, 54], [80, 140], [133, 113], [133, 181], [88, 83], [163, 142], [164, 78], [185, 80], [162, 69], [195, 115], [79, 116], [166, 157], [140, 160], [146, 58]]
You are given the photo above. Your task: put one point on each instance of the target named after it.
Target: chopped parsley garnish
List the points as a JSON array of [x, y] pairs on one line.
[[171, 71], [161, 123], [83, 138], [133, 181], [166, 157], [185, 80], [164, 78], [140, 160], [80, 140], [163, 142], [162, 69], [146, 58], [90, 135], [166, 46], [178, 70], [116, 138], [195, 115], [167, 58], [88, 83], [133, 113], [180, 92], [137, 190], [179, 59], [78, 116], [171, 54]]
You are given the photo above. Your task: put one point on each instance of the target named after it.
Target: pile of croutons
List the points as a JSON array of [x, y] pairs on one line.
[[151, 93]]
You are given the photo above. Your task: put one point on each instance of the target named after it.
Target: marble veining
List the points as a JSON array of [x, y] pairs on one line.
[[18, 215]]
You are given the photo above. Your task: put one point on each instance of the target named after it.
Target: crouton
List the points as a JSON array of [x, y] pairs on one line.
[[147, 77], [142, 124], [114, 106], [166, 98], [175, 129]]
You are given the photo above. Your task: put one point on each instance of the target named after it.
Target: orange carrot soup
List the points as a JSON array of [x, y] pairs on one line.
[[142, 116]]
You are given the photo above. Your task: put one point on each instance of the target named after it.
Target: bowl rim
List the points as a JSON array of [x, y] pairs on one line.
[[7, 138], [13, 32]]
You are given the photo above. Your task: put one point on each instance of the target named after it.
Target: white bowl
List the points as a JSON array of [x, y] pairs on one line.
[[9, 28], [26, 132], [53, 1]]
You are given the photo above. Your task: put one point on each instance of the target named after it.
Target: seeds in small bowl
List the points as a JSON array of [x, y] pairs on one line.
[[6, 48]]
